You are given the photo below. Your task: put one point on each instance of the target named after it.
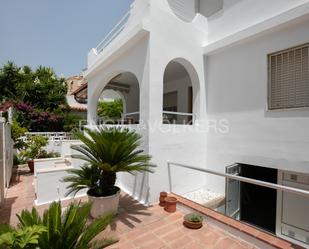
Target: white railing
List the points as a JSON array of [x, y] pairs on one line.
[[52, 136], [129, 114], [166, 119], [113, 33], [126, 118], [239, 178]]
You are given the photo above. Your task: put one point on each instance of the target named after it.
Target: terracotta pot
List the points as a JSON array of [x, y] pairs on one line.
[[190, 224], [170, 204], [163, 195], [103, 205], [31, 165]]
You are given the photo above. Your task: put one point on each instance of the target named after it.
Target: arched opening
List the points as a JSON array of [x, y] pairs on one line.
[[179, 93], [118, 102]]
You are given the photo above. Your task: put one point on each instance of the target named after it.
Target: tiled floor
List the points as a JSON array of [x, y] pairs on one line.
[[136, 226]]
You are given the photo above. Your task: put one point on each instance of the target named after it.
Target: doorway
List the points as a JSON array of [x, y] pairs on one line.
[[258, 204], [253, 204]]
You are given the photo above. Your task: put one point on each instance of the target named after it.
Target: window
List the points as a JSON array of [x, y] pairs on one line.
[[288, 83]]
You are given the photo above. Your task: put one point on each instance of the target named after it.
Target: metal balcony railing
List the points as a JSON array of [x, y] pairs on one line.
[[184, 118], [113, 33], [234, 195]]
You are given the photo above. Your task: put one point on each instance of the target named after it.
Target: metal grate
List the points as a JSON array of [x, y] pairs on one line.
[[288, 85]]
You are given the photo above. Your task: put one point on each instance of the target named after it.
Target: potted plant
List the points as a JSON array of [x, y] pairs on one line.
[[106, 152], [193, 221], [34, 147]]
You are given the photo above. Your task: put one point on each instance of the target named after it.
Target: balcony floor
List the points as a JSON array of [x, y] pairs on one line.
[[136, 226]]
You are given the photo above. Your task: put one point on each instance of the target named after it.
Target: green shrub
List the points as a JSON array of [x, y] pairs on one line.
[[69, 229], [26, 237], [17, 131], [110, 110], [52, 154], [34, 147], [194, 217], [71, 122], [17, 160]]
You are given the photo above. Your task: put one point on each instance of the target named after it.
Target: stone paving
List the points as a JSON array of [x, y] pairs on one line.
[[136, 226]]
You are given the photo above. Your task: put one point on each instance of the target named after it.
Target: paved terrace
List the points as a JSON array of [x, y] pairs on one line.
[[136, 226]]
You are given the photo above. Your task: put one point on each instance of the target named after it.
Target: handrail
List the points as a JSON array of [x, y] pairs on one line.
[[239, 178], [178, 113], [111, 35], [49, 135], [130, 114]]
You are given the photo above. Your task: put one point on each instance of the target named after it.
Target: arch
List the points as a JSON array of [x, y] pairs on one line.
[[181, 92], [123, 85]]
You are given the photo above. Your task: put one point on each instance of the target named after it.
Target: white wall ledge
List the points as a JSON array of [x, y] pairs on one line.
[[297, 14], [48, 159], [54, 169], [121, 44]]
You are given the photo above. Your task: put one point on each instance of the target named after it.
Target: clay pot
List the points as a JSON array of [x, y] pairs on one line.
[[163, 195], [170, 204], [190, 224], [31, 165]]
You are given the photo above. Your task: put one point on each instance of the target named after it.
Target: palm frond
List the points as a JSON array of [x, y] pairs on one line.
[[106, 151]]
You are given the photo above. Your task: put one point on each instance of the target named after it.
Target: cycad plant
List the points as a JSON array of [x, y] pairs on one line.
[[106, 152], [20, 238], [69, 229]]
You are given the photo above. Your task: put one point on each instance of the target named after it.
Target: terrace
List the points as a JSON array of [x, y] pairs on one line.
[[138, 226]]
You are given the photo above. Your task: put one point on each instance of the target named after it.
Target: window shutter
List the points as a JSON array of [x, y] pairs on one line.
[[289, 78]]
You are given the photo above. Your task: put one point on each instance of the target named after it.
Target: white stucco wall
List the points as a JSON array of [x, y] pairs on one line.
[[134, 61], [232, 84], [237, 15], [236, 86], [173, 142]]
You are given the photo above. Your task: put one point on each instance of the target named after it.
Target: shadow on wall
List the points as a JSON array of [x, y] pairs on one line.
[[287, 113], [218, 10]]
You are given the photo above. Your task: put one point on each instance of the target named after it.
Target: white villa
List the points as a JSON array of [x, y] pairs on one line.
[[219, 91]]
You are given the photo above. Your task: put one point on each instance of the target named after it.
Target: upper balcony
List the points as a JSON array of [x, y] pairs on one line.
[[130, 26]]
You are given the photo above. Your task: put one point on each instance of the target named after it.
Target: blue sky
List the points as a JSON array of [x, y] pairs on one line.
[[55, 33]]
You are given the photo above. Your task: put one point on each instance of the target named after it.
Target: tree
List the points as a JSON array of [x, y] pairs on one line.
[[40, 88], [110, 110], [9, 81], [39, 96]]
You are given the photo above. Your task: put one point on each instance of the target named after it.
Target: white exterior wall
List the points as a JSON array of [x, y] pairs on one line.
[[172, 142], [134, 61], [236, 86], [237, 15], [229, 85]]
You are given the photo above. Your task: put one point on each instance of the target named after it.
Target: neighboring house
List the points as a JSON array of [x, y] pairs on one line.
[[214, 83], [75, 97]]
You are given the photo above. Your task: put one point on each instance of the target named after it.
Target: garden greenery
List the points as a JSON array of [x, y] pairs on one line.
[[39, 98], [110, 110], [56, 229]]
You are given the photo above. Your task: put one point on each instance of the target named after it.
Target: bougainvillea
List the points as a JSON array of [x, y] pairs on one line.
[[35, 120]]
